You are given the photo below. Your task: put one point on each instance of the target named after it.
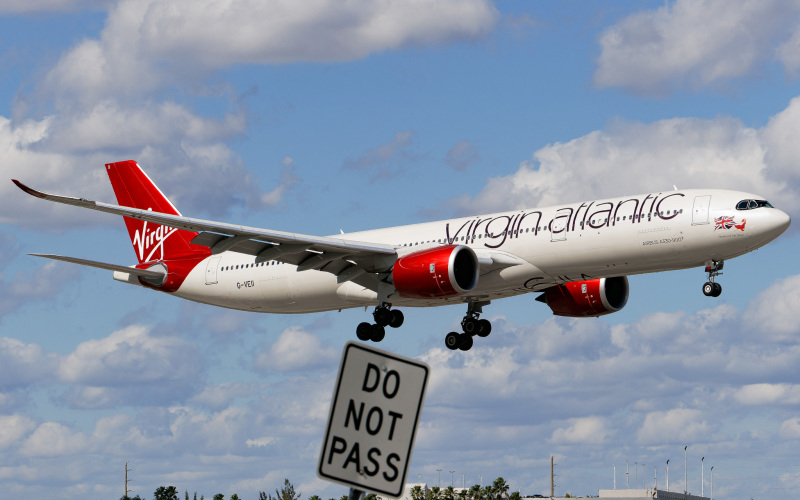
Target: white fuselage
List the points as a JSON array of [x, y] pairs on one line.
[[551, 245]]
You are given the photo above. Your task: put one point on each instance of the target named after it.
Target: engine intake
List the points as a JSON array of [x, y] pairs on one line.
[[436, 273], [587, 298]]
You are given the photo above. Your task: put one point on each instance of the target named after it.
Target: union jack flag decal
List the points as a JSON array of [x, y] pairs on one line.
[[723, 222], [726, 222]]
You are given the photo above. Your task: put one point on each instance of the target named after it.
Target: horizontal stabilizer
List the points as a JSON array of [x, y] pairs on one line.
[[144, 273]]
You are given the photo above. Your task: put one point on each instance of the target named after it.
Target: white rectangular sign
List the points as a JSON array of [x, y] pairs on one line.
[[373, 420]]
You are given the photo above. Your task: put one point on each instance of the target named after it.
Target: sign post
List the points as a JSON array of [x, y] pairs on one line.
[[373, 420]]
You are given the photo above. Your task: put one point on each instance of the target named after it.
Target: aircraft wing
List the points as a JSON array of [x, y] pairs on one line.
[[345, 258]]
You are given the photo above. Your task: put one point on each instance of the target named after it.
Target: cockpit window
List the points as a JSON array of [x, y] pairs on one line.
[[751, 204]]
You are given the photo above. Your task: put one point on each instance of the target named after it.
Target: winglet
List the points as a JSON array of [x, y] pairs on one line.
[[29, 190]]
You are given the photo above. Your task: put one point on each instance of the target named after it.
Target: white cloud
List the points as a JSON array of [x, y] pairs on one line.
[[22, 365], [52, 439], [680, 425], [386, 160], [687, 152], [694, 44], [768, 394], [131, 366], [295, 350], [587, 430], [146, 43], [13, 428], [790, 429], [772, 312]]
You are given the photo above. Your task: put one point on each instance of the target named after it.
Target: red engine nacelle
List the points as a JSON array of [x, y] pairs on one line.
[[436, 273], [587, 298]]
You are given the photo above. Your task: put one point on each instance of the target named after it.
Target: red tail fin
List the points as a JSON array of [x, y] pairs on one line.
[[151, 242]]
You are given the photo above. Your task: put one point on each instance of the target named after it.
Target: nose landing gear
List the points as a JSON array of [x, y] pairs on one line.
[[383, 316], [471, 326], [711, 288]]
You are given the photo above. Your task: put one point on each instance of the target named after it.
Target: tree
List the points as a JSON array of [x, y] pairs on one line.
[[234, 497], [219, 496], [500, 487], [370, 496], [166, 493], [515, 496], [475, 492], [449, 493], [417, 493], [285, 493], [312, 497]]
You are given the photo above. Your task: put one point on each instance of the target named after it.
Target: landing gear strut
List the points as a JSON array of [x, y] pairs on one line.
[[711, 288], [383, 316], [471, 326]]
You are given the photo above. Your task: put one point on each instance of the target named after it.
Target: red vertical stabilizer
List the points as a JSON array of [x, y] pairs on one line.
[[151, 242]]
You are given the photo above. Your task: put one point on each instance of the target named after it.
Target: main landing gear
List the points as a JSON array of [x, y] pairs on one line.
[[472, 326], [712, 288], [383, 316]]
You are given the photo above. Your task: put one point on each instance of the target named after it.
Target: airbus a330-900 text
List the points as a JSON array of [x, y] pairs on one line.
[[576, 257]]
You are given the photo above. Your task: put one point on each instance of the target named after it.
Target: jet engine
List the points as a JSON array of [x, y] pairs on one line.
[[587, 298], [436, 273]]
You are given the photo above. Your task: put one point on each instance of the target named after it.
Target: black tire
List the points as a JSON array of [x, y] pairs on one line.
[[452, 340], [378, 332], [470, 326], [708, 289], [717, 290], [364, 331], [382, 316], [397, 319], [466, 342], [484, 328]]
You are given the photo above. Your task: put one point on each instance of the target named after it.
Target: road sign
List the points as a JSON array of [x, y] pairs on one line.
[[373, 420]]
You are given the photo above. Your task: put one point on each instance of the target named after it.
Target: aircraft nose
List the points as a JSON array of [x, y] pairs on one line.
[[779, 222]]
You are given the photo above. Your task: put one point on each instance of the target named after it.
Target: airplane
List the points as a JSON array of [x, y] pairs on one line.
[[576, 256]]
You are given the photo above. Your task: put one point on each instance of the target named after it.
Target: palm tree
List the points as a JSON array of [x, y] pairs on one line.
[[475, 492], [449, 493], [417, 493], [500, 488]]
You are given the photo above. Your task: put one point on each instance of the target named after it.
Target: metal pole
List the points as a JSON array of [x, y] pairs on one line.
[[356, 494], [440, 477], [463, 479], [627, 475], [667, 475], [702, 475], [635, 475], [685, 472], [451, 478], [615, 476], [712, 482]]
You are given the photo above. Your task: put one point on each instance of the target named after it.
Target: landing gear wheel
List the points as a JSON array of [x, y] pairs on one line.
[[452, 340], [484, 328], [708, 289], [470, 326], [717, 290], [396, 319], [382, 315], [364, 331], [378, 332], [466, 342]]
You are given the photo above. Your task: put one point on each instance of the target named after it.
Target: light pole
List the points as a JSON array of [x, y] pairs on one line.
[[463, 479], [419, 477], [481, 478], [451, 478], [635, 475], [702, 475], [685, 472], [627, 476], [667, 475], [440, 477], [712, 482]]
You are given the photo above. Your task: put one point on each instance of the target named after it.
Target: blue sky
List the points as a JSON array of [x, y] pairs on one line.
[[319, 116]]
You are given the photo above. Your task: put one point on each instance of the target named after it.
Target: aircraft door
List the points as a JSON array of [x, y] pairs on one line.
[[700, 210], [211, 270]]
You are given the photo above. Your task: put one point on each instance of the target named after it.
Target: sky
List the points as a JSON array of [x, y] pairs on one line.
[[321, 116]]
